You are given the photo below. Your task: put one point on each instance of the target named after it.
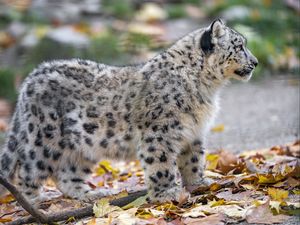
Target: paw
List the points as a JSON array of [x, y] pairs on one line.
[[177, 194]]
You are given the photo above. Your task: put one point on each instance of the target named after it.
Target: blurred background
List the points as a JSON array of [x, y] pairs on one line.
[[260, 113]]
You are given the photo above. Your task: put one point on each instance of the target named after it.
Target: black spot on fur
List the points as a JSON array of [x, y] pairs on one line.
[[109, 133], [163, 157], [159, 174], [12, 143], [194, 159], [56, 155], [46, 152], [32, 154], [195, 169], [5, 162], [40, 165], [90, 127], [104, 143], [149, 160], [30, 127]]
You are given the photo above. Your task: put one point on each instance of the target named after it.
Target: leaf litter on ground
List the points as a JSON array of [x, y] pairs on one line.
[[260, 186]]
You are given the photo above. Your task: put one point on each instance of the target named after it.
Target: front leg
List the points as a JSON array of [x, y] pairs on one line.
[[158, 155], [191, 162]]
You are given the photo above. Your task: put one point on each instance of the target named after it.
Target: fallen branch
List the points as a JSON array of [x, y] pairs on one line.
[[37, 216]]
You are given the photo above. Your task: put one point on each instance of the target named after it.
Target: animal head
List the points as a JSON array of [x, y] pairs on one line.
[[226, 49]]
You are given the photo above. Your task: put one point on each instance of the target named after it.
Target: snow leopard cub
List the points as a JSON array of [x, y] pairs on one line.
[[71, 114]]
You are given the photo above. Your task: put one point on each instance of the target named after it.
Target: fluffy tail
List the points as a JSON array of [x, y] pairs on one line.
[[8, 154]]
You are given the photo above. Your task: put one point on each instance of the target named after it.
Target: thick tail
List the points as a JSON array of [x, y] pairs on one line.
[[8, 154]]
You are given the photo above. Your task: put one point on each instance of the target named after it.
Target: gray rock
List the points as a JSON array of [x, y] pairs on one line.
[[29, 40], [67, 35], [16, 29], [64, 11]]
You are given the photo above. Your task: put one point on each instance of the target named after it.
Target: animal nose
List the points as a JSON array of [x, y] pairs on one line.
[[254, 61]]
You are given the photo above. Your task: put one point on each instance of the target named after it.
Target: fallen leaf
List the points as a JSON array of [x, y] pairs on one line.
[[7, 199], [136, 203], [212, 161], [275, 205], [227, 161], [6, 219], [194, 212], [102, 207], [263, 215], [215, 219], [218, 128], [277, 194]]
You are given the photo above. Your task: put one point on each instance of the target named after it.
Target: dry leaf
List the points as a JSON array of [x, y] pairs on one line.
[[212, 161], [218, 128], [216, 219], [263, 215], [278, 194], [136, 203], [7, 199], [102, 207], [227, 161]]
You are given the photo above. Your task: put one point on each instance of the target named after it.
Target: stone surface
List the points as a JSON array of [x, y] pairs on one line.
[[258, 115], [67, 35]]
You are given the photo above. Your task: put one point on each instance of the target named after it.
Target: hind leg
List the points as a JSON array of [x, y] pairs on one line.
[[30, 179], [71, 180]]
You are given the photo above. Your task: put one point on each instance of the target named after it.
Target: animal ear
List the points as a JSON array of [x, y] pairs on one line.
[[218, 28], [215, 30]]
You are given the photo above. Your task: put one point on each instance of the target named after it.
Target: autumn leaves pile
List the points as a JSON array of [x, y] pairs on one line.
[[261, 186]]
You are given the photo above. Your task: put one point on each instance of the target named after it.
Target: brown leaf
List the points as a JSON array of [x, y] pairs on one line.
[[227, 161], [215, 219], [229, 196], [263, 215]]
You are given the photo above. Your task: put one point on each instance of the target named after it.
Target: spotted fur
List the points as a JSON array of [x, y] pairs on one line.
[[71, 114]]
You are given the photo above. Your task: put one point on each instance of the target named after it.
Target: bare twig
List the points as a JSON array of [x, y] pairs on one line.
[[37, 216], [40, 217]]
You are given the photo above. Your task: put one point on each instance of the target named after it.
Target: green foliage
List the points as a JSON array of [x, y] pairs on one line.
[[176, 11], [50, 50], [105, 49], [135, 42], [7, 85], [122, 9]]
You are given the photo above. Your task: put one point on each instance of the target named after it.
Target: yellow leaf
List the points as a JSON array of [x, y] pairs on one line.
[[257, 202], [6, 219], [218, 128], [214, 187], [70, 219], [296, 192], [215, 203], [212, 161], [7, 199], [105, 167], [275, 205], [269, 178], [102, 207], [136, 203], [278, 194], [144, 214]]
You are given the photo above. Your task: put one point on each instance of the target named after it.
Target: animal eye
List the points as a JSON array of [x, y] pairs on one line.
[[240, 47]]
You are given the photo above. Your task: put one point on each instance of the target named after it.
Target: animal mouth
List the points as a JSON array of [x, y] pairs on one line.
[[244, 72]]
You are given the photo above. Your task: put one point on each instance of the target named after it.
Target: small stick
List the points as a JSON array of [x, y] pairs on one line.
[[38, 216]]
